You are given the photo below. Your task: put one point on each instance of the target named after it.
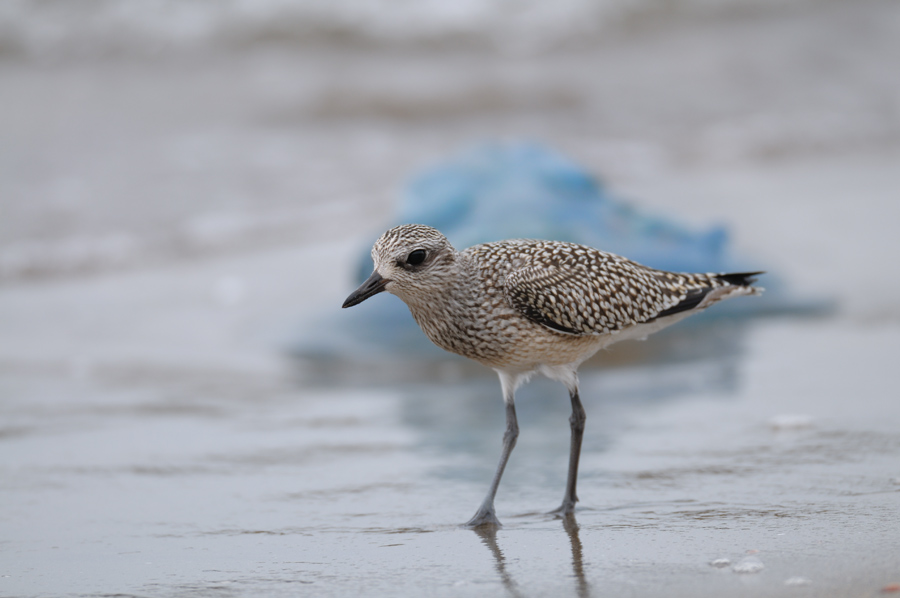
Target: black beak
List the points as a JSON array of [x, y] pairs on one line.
[[373, 285]]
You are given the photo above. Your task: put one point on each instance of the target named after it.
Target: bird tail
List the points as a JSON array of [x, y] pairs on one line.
[[741, 279]]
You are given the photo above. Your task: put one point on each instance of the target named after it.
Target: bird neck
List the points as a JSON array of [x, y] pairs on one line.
[[445, 311]]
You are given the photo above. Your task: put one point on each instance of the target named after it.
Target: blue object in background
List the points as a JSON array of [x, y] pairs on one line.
[[527, 191], [524, 190]]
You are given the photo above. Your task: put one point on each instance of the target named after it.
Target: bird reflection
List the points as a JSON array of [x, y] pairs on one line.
[[488, 535], [571, 526]]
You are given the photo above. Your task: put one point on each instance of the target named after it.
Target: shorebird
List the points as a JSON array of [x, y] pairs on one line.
[[525, 306]]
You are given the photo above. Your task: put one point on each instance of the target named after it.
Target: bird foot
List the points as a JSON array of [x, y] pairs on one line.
[[485, 517], [564, 510]]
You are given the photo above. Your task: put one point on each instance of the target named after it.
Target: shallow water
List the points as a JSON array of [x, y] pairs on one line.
[[208, 486]]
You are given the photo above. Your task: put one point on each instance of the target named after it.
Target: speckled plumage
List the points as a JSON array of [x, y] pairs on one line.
[[523, 306], [522, 303]]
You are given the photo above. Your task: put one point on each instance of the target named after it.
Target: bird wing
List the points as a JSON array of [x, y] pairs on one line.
[[593, 292]]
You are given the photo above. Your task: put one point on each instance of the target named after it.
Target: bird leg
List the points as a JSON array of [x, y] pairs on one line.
[[486, 514], [576, 422]]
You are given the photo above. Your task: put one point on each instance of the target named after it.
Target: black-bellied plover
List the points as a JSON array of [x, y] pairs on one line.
[[524, 306]]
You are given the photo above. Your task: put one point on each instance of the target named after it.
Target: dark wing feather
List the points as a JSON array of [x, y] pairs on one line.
[[691, 300]]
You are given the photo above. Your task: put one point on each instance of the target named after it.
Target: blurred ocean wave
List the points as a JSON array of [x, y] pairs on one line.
[[146, 133], [91, 27]]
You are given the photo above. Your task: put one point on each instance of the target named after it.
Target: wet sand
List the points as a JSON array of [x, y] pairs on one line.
[[167, 235], [184, 483]]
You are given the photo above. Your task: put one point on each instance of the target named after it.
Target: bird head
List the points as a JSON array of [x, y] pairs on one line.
[[412, 261]]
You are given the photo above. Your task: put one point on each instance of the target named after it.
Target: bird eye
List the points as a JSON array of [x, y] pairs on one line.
[[416, 257]]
